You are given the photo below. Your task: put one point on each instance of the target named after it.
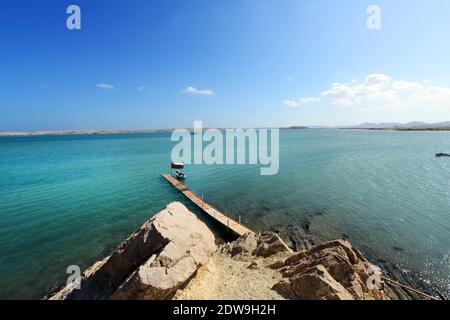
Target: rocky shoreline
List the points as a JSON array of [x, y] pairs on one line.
[[174, 255], [301, 238]]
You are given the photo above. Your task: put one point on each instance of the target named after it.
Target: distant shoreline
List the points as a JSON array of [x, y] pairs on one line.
[[75, 132], [401, 129], [94, 132]]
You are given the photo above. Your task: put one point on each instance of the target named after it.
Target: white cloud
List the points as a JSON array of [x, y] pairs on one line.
[[377, 79], [380, 98], [141, 88], [406, 85], [291, 103], [105, 86], [197, 92], [309, 100], [301, 102], [379, 91]]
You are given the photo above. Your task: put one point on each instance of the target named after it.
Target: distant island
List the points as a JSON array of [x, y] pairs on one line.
[[296, 127]]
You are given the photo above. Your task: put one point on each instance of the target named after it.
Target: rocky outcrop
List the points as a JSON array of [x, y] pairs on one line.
[[173, 255], [333, 270], [191, 244], [153, 263], [260, 266]]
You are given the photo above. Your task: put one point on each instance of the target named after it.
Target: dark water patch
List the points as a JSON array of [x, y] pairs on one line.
[[397, 249], [297, 238], [259, 214], [276, 228], [380, 261]]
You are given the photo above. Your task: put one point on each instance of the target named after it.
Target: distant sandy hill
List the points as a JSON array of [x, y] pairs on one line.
[[72, 132]]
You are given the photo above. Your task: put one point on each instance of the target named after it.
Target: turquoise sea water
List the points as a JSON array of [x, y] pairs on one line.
[[68, 200]]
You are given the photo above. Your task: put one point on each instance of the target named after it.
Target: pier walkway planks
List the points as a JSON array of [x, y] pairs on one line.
[[215, 214]]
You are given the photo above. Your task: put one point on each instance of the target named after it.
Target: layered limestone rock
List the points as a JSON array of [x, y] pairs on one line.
[[333, 270], [153, 263]]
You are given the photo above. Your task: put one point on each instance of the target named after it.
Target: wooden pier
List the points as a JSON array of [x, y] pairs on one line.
[[215, 214]]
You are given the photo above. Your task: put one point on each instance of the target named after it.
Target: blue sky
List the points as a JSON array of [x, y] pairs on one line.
[[231, 63]]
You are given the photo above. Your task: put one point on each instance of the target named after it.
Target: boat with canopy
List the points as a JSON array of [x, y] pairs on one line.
[[178, 165]]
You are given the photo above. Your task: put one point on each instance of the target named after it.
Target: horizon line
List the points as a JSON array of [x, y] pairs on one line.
[[365, 125]]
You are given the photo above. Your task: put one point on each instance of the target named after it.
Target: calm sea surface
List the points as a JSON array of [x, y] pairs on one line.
[[69, 200]]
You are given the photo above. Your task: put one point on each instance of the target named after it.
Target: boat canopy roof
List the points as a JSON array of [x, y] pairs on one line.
[[177, 165]]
